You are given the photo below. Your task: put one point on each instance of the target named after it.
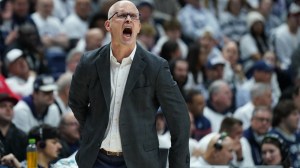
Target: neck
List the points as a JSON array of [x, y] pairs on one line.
[[284, 128], [64, 98], [218, 107], [121, 51], [43, 160], [4, 127], [40, 109], [24, 76], [293, 29]]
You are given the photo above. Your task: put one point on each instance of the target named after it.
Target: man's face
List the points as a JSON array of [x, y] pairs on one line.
[[6, 111], [237, 132], [262, 76], [291, 121], [52, 149], [19, 67], [261, 122], [224, 96], [230, 53], [44, 98], [45, 7], [265, 99], [21, 7], [124, 30], [82, 8], [225, 155], [181, 71], [71, 128], [197, 105]]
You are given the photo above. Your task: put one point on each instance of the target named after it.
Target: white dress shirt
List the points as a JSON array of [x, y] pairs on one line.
[[118, 77]]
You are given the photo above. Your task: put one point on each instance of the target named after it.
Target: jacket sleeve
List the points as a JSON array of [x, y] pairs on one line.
[[176, 113], [78, 94]]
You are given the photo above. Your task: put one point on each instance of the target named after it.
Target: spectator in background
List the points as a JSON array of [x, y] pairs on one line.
[[233, 71], [275, 151], [286, 37], [97, 21], [146, 10], [50, 28], [196, 103], [194, 18], [214, 70], [242, 152], [271, 21], [262, 72], [219, 152], [261, 95], [233, 21], [166, 9], [255, 43], [146, 37], [170, 51], [197, 63], [20, 78], [76, 24], [13, 139], [61, 98], [37, 108], [179, 70], [63, 8], [72, 60], [69, 134], [48, 145], [172, 30], [20, 17], [285, 125], [29, 42], [93, 39], [260, 124], [218, 104], [209, 43]]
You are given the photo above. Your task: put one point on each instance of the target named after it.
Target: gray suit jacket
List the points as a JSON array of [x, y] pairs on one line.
[[149, 85]]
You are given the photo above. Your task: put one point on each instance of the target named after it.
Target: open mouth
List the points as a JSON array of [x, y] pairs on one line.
[[127, 32]]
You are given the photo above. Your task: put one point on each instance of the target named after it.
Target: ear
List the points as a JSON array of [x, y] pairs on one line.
[[107, 25], [140, 25]]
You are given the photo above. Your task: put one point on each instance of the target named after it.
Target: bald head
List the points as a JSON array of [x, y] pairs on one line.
[[115, 7], [94, 38], [219, 156]]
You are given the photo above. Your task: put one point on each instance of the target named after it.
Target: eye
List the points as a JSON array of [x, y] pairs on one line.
[[133, 16], [123, 15]]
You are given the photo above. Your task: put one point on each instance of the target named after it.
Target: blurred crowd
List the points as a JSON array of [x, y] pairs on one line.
[[237, 63]]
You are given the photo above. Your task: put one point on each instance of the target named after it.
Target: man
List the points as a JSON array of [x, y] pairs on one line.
[[179, 70], [63, 87], [262, 72], [69, 134], [260, 125], [37, 108], [286, 37], [20, 78], [217, 108], [219, 152], [196, 103], [285, 124], [261, 95], [47, 142], [242, 151], [13, 139], [115, 93]]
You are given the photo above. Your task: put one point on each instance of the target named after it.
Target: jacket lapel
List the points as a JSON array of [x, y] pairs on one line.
[[103, 69], [137, 67]]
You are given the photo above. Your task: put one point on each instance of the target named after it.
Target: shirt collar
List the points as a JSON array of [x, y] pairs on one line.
[[131, 54]]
